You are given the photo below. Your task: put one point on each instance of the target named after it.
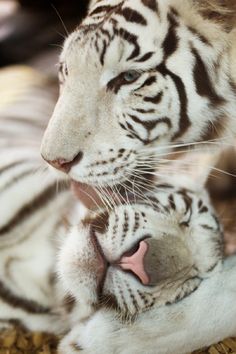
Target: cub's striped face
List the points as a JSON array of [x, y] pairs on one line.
[[136, 75], [139, 256]]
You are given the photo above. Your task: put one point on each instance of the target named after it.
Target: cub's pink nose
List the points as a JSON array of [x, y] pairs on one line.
[[135, 263], [65, 165]]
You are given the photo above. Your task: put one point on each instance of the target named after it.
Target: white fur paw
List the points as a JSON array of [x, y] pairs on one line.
[[69, 346], [72, 342]]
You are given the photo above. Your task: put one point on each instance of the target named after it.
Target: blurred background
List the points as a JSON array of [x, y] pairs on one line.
[[32, 31]]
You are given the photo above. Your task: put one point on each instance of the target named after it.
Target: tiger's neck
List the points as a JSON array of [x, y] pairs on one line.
[[216, 61]]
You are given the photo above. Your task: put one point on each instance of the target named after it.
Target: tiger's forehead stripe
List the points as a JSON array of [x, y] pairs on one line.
[[151, 4]]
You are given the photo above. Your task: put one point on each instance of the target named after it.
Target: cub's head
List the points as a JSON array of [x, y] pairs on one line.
[[141, 256], [137, 75]]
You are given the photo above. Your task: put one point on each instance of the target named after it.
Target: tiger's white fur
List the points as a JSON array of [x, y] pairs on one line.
[[32, 202]]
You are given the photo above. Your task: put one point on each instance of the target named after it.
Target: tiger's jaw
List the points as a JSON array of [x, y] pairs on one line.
[[94, 199], [125, 191]]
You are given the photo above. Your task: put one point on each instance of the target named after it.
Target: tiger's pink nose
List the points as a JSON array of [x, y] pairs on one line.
[[65, 165]]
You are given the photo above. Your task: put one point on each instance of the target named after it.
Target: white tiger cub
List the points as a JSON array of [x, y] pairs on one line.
[[149, 277]]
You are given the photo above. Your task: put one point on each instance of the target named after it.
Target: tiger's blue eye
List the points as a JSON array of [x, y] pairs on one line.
[[131, 75]]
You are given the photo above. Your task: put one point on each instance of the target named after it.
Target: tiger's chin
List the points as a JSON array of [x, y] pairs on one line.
[[111, 194], [93, 198]]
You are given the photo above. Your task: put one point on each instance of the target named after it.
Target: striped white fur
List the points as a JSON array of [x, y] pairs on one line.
[[32, 203], [27, 259], [184, 312]]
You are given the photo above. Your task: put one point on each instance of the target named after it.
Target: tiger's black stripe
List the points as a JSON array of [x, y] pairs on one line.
[[11, 165], [202, 38], [170, 44], [144, 111], [30, 208], [184, 123], [155, 99], [16, 179], [145, 57], [132, 15], [204, 86], [148, 82], [15, 301], [131, 39], [104, 8], [151, 4], [151, 124]]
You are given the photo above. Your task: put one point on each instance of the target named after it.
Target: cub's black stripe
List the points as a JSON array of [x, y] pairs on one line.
[[131, 15], [17, 302], [203, 82], [187, 200], [27, 210], [125, 226], [137, 222]]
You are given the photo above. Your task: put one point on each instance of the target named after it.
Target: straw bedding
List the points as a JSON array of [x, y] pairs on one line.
[[18, 341]]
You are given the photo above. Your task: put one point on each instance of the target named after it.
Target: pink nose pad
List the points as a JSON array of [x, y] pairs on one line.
[[135, 263], [65, 165]]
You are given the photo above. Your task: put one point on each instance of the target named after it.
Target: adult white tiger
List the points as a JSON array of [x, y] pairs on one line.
[[135, 75], [148, 277]]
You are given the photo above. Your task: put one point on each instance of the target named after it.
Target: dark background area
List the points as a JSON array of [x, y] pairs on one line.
[[29, 27]]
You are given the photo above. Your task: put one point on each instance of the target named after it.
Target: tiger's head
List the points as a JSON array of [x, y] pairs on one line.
[[137, 77], [142, 256]]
